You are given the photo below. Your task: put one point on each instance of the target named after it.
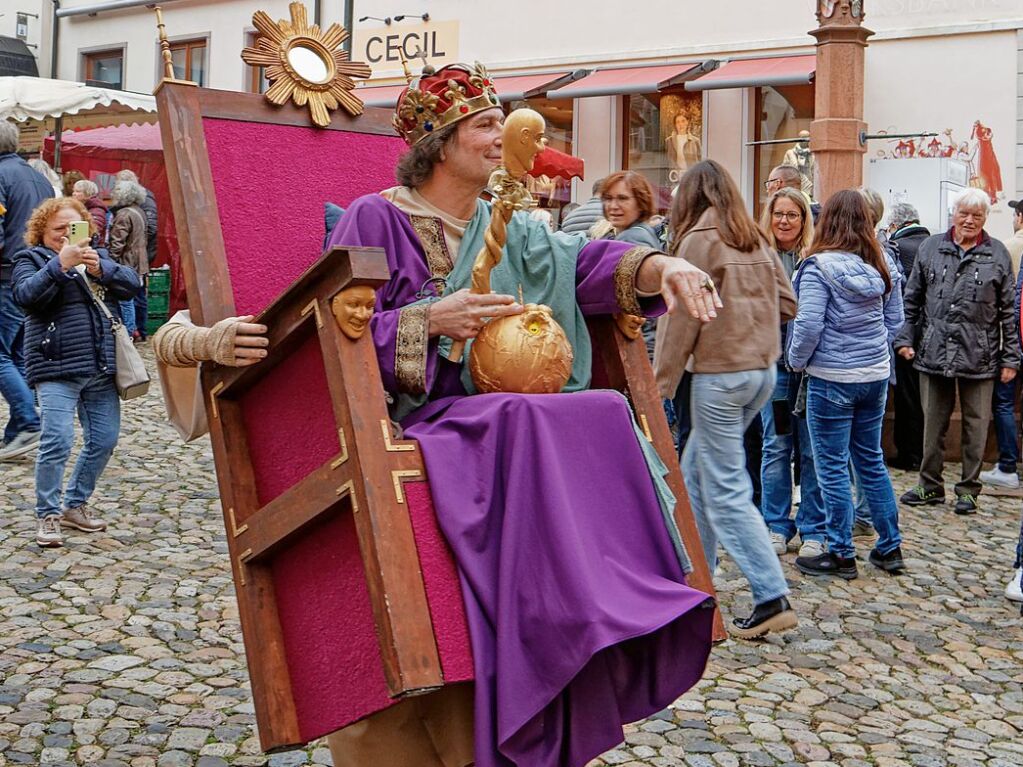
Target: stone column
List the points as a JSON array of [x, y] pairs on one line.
[[838, 106]]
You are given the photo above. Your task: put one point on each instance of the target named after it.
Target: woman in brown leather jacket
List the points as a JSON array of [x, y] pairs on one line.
[[733, 365]]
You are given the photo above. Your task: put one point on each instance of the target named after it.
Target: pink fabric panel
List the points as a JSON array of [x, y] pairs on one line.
[[330, 638], [272, 182], [289, 422], [443, 591]]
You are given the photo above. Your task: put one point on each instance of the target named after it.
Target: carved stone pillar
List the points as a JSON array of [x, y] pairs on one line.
[[838, 106]]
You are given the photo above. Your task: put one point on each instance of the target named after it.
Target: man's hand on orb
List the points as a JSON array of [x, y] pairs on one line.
[[461, 315]]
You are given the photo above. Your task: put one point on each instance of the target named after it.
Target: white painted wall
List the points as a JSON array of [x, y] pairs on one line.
[[934, 84], [9, 10]]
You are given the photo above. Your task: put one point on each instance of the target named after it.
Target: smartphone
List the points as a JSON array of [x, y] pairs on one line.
[[782, 417], [78, 233]]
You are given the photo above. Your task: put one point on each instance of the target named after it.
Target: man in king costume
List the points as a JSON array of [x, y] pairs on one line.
[[555, 507]]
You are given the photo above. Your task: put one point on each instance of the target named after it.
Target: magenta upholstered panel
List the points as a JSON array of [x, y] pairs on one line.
[[289, 422], [323, 602], [272, 182], [442, 588]]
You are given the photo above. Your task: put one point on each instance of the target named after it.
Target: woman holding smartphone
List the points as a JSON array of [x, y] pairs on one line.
[[69, 358]]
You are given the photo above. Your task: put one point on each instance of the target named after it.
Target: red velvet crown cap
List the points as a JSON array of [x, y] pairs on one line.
[[434, 101]]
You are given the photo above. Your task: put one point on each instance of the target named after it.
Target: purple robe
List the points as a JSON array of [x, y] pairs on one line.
[[578, 611]]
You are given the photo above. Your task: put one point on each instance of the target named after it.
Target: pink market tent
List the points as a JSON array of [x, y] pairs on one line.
[[101, 152]]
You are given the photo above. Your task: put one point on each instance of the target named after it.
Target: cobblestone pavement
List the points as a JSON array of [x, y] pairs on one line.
[[123, 648]]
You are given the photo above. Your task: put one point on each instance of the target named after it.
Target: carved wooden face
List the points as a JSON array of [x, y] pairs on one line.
[[631, 325], [353, 308]]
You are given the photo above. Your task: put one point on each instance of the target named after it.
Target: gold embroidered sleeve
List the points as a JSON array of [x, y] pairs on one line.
[[411, 348], [625, 278]]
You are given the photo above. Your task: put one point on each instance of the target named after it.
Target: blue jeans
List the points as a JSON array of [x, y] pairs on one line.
[[1003, 410], [128, 314], [13, 387], [714, 466], [845, 422], [142, 306], [99, 411], [776, 471], [861, 511]]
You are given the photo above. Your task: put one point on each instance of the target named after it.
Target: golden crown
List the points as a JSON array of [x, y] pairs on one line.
[[435, 100]]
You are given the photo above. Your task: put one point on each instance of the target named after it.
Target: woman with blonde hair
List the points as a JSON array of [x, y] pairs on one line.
[[788, 223], [733, 374], [69, 360]]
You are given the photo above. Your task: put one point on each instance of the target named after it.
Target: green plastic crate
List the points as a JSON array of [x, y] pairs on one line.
[[158, 304], [153, 323], [159, 281]]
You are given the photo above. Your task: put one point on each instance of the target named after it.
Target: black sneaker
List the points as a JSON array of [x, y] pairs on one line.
[[966, 504], [776, 615], [920, 497], [828, 564], [890, 562]]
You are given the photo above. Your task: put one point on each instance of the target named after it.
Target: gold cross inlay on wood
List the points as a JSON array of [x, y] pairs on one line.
[[385, 427], [398, 476], [235, 530], [337, 462], [213, 399], [313, 306]]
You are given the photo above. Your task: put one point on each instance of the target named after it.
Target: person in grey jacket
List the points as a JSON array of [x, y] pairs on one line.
[[961, 332], [586, 215]]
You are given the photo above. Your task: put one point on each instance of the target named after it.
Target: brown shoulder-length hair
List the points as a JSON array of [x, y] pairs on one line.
[[708, 185], [800, 200], [846, 224], [47, 209], [638, 187]]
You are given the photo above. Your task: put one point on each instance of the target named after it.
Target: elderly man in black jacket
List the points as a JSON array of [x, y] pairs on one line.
[[21, 190], [961, 331]]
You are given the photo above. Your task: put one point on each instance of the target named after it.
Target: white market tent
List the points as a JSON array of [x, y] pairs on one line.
[[54, 106]]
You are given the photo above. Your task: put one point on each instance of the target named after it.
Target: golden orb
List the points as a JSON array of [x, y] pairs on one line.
[[526, 353]]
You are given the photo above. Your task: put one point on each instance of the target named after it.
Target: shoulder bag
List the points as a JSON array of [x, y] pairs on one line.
[[131, 377]]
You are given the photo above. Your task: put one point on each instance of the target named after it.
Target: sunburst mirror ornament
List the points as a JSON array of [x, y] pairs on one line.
[[305, 64]]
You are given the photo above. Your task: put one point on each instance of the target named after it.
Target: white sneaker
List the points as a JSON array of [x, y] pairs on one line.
[[48, 533], [778, 543], [1014, 591], [812, 549], [999, 478], [21, 444]]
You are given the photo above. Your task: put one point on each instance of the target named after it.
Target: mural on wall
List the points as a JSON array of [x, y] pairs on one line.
[[978, 153]]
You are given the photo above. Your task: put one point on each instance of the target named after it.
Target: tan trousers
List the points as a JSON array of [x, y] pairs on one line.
[[434, 730]]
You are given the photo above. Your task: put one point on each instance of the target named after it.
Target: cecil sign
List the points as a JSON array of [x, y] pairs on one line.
[[382, 47]]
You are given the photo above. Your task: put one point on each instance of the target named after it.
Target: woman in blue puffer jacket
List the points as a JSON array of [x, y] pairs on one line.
[[69, 360], [850, 308]]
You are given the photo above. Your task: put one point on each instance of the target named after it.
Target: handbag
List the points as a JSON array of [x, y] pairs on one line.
[[131, 377]]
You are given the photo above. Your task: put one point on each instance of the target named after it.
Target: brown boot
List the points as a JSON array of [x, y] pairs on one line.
[[81, 518]]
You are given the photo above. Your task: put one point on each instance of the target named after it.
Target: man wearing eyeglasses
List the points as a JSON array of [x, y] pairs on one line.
[[788, 176]]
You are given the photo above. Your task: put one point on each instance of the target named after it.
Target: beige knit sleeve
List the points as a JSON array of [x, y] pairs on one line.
[[180, 343]]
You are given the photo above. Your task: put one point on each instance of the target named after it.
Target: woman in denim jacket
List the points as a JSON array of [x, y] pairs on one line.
[[849, 310]]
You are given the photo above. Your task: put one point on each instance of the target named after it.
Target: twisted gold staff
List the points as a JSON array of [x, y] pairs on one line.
[[522, 139]]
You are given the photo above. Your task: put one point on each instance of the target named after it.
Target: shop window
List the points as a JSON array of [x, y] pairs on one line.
[[189, 60], [551, 192], [783, 112], [664, 137], [104, 69], [258, 83]]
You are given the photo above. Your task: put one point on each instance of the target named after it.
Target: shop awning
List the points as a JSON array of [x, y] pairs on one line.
[[750, 73], [624, 80], [16, 58], [510, 88]]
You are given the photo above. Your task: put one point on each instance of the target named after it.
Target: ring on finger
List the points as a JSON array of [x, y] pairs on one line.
[[707, 284]]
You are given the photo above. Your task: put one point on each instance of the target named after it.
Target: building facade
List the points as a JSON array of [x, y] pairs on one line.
[[657, 85]]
